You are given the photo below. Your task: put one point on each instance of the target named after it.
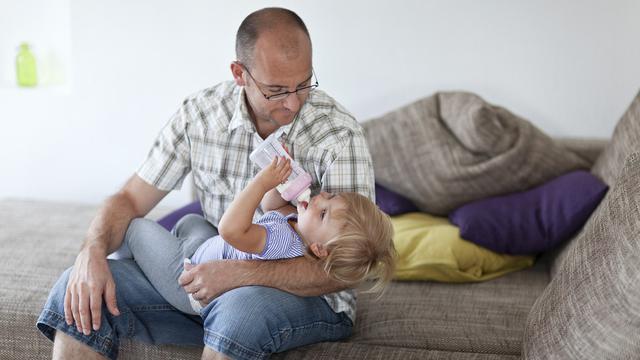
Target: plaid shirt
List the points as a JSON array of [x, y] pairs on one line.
[[212, 136]]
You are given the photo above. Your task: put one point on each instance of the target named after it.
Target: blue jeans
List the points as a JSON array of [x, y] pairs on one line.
[[245, 323]]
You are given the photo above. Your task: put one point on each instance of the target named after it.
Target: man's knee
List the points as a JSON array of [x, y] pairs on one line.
[[67, 339], [121, 270], [255, 321]]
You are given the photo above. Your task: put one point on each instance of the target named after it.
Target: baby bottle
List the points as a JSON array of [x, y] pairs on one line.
[[297, 185]]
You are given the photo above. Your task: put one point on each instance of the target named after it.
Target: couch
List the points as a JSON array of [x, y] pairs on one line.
[[505, 318]]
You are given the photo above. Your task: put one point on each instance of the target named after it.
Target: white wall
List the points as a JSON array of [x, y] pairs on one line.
[[571, 67]]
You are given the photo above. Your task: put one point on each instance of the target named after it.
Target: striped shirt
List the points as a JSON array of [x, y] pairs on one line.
[[282, 242], [211, 135]]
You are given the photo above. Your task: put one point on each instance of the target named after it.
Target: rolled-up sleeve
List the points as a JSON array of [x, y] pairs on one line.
[[351, 168]]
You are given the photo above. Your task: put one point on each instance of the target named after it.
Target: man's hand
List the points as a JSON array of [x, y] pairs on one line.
[[89, 281], [211, 279], [299, 276]]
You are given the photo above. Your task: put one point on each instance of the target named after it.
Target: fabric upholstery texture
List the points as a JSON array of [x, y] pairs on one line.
[[532, 221], [609, 163], [413, 320], [42, 239], [440, 321], [452, 148], [430, 248], [625, 140], [588, 149], [485, 317], [350, 351], [591, 308], [38, 241]]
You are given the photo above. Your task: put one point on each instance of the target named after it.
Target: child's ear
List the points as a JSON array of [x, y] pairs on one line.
[[318, 250]]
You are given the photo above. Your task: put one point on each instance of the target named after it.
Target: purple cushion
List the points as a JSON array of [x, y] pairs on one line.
[[531, 221], [168, 221], [392, 203]]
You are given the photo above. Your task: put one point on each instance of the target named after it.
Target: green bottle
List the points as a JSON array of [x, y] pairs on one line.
[[26, 66]]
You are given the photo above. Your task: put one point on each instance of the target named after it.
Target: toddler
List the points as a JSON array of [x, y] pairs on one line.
[[346, 232]]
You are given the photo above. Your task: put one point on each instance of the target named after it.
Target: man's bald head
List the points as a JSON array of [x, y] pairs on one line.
[[276, 21]]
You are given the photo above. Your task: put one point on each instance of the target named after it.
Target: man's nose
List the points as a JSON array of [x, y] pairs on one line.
[[292, 102]]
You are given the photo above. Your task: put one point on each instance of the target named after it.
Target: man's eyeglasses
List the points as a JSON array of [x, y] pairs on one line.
[[282, 95]]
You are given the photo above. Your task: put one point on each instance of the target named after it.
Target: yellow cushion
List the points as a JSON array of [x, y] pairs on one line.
[[430, 248]]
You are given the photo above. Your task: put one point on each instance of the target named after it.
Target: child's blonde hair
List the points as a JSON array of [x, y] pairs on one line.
[[363, 248]]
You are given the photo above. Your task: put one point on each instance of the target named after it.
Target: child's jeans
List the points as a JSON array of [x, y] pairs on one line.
[[160, 253]]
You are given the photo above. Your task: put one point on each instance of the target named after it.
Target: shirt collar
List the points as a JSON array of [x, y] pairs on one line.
[[241, 116]]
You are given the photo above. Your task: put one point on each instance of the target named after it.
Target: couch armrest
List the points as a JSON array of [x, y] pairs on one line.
[[587, 148]]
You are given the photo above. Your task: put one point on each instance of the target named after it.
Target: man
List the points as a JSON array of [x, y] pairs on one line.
[[254, 308]]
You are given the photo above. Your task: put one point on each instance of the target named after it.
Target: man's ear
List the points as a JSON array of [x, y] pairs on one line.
[[237, 70], [318, 250]]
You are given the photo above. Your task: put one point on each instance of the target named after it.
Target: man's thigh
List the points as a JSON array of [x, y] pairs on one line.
[[253, 322], [145, 315]]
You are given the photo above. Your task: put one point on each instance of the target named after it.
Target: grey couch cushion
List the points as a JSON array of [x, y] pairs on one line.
[[625, 140], [591, 309], [413, 320], [351, 351], [485, 317], [453, 148], [38, 241]]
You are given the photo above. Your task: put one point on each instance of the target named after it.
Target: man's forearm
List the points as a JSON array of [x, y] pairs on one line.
[[107, 229], [300, 276]]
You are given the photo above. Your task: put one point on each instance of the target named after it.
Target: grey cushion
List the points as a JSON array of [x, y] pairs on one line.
[[485, 317], [38, 241], [453, 148], [625, 140], [591, 309], [351, 351]]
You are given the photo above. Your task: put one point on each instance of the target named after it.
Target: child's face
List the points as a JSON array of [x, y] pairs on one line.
[[317, 223]]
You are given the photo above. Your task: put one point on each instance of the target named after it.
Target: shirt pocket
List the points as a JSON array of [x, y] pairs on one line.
[[213, 183], [215, 195]]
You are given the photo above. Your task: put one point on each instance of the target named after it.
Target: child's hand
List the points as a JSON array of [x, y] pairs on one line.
[[275, 173]]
